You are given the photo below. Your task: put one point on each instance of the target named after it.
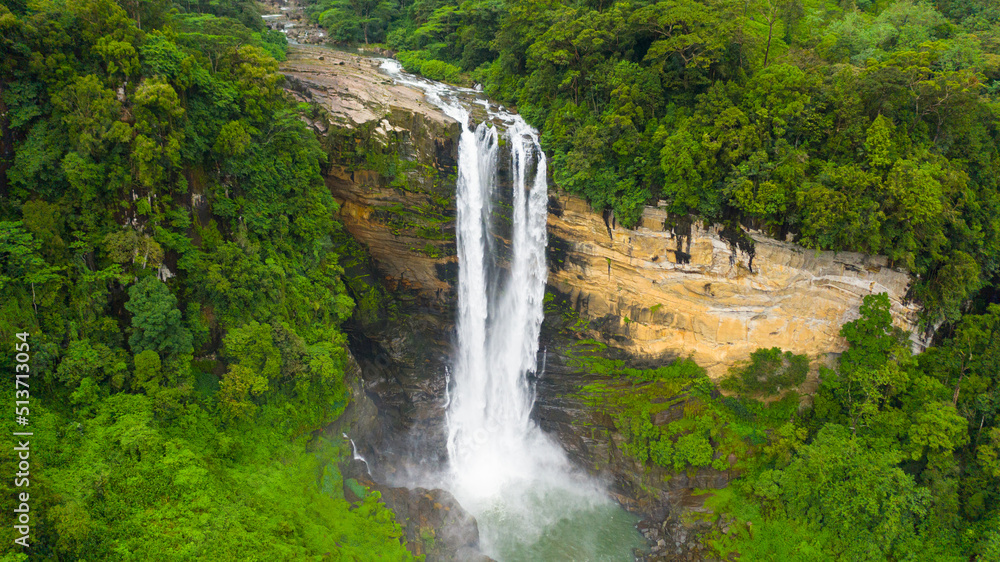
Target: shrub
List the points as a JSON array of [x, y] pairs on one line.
[[419, 62], [767, 372]]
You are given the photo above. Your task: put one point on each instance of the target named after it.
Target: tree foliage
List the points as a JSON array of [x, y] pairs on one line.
[[165, 238]]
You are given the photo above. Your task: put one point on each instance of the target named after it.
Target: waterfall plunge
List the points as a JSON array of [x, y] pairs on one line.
[[530, 502], [491, 437]]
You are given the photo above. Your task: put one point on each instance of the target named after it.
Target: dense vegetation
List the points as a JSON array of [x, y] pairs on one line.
[[896, 460], [705, 428], [166, 240]]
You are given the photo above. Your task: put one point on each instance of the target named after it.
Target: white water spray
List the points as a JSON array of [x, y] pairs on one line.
[[492, 440], [512, 477]]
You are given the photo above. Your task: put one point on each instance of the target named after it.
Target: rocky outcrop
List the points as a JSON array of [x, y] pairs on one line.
[[392, 166], [678, 287], [354, 92], [402, 367], [671, 286], [288, 17], [669, 501], [675, 287], [393, 398]]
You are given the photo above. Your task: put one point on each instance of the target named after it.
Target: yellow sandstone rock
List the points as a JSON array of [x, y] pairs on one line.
[[688, 291]]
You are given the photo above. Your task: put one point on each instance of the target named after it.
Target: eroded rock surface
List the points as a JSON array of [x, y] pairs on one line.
[[671, 502], [394, 399], [289, 17], [353, 90], [667, 287], [687, 290], [435, 525]]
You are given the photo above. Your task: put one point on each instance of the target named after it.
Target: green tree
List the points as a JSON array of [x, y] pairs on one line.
[[871, 373], [852, 489], [156, 322], [148, 374], [357, 20], [690, 33], [256, 362]]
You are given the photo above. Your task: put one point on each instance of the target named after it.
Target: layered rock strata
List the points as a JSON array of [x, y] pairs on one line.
[[665, 288]]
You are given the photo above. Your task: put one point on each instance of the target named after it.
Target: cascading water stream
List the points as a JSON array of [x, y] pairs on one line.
[[356, 456], [530, 502]]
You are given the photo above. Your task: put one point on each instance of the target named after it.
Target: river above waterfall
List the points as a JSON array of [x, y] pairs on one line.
[[530, 502]]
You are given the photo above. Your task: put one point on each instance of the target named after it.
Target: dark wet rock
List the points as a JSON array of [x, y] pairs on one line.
[[395, 420], [434, 523], [362, 419]]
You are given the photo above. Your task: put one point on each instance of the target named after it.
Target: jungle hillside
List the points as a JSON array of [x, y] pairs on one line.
[[182, 370], [179, 371]]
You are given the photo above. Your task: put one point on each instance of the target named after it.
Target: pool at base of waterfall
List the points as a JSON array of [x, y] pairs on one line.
[[534, 522]]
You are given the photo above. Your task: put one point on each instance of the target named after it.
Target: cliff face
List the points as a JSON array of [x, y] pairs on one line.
[[660, 289], [664, 289], [392, 166], [665, 498], [670, 287]]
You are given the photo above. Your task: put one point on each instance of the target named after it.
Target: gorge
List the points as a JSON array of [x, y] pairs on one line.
[[678, 280], [529, 502], [440, 227]]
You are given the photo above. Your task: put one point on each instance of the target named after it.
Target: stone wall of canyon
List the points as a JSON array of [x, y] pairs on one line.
[[661, 289], [406, 226]]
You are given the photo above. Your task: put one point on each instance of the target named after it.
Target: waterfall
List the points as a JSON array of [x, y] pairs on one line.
[[513, 478], [491, 437], [356, 456]]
